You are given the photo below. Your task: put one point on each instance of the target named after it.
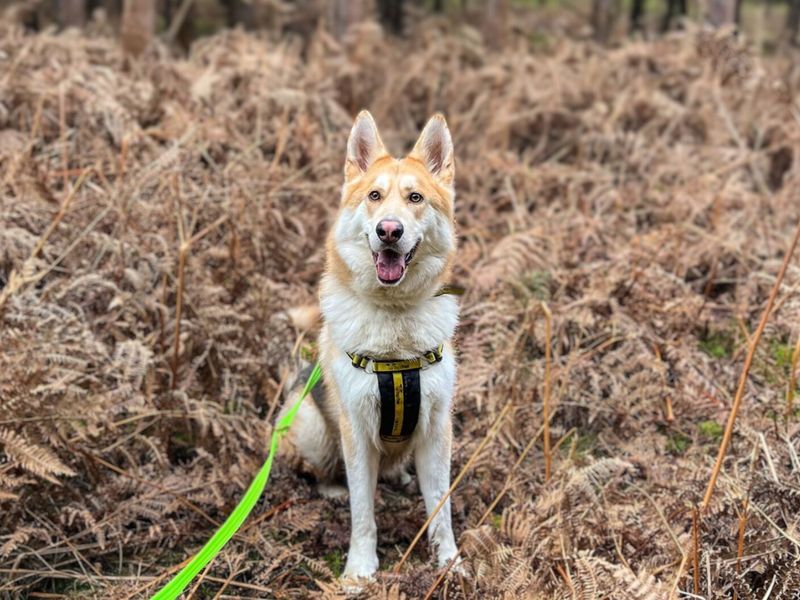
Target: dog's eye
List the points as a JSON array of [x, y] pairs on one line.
[[375, 195], [415, 197]]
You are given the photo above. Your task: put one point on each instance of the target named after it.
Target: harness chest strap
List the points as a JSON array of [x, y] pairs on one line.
[[398, 384]]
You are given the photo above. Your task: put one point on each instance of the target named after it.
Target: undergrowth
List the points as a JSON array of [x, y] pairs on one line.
[[633, 190]]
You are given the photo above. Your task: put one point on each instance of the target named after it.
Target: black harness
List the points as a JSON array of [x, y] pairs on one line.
[[398, 383]]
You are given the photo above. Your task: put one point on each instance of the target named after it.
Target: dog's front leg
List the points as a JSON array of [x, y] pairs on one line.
[[432, 459], [361, 462]]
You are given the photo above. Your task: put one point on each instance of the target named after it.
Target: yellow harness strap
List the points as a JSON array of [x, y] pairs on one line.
[[372, 365], [399, 388]]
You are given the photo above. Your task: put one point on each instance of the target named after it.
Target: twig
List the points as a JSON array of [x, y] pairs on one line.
[[177, 20], [62, 125], [548, 317], [740, 540], [490, 435], [792, 379], [226, 584], [695, 550], [565, 576], [669, 415], [506, 486], [276, 398], [737, 400], [202, 576]]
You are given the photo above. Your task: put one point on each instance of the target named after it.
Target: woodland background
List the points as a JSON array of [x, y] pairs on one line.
[[627, 192]]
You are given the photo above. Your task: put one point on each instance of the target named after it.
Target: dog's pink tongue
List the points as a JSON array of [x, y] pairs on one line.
[[390, 265]]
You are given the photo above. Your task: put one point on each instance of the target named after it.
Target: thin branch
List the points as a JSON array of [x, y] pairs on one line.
[[737, 400]]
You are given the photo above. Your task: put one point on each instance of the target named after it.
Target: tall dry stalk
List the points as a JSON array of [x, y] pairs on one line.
[[548, 459], [490, 435], [740, 539], [737, 400], [792, 384], [695, 550]]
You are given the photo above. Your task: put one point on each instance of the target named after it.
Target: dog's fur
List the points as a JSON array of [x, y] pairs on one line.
[[398, 320]]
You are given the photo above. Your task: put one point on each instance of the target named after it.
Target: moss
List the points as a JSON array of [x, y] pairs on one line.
[[335, 561], [710, 429], [678, 443], [718, 344], [782, 353]]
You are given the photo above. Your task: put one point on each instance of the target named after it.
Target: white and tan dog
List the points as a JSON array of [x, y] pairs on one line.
[[389, 253]]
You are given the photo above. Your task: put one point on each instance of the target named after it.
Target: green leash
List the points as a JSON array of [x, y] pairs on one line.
[[232, 524]]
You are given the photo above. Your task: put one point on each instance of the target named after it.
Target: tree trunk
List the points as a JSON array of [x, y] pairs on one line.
[[239, 12], [604, 16], [138, 25], [793, 21], [637, 12], [675, 10], [495, 23], [722, 12], [344, 13], [71, 13], [391, 13]]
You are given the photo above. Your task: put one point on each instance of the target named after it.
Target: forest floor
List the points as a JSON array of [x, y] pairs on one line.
[[159, 216]]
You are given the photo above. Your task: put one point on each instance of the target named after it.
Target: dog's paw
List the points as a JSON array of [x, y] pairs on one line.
[[332, 491], [360, 567], [399, 477], [457, 567], [355, 586], [404, 478], [453, 562], [356, 578]]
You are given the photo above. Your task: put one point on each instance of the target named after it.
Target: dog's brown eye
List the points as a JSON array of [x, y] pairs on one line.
[[374, 195], [415, 197]]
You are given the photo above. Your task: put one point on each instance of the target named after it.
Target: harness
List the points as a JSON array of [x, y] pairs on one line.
[[398, 384]]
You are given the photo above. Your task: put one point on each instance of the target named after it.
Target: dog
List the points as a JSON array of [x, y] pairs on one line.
[[385, 343]]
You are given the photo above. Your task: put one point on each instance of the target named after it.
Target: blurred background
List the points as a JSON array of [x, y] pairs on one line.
[[627, 182], [770, 24]]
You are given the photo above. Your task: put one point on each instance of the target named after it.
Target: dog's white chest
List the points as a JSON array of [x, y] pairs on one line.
[[354, 326], [362, 327]]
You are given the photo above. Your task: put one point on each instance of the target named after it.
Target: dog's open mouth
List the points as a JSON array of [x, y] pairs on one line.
[[391, 265]]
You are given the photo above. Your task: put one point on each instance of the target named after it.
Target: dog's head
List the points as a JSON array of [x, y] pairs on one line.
[[395, 232]]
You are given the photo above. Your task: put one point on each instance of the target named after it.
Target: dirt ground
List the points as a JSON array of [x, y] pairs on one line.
[[159, 216]]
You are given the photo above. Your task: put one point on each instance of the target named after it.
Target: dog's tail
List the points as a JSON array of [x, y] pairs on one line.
[[306, 317]]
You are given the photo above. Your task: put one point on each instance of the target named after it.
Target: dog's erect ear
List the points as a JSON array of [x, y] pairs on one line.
[[435, 148], [364, 146]]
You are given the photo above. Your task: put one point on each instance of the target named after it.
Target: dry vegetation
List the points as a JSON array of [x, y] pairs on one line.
[[645, 195]]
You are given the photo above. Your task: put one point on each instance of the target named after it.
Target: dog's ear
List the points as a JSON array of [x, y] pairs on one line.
[[364, 146], [435, 149]]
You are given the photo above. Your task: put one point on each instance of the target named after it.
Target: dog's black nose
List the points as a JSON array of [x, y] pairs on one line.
[[389, 230]]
